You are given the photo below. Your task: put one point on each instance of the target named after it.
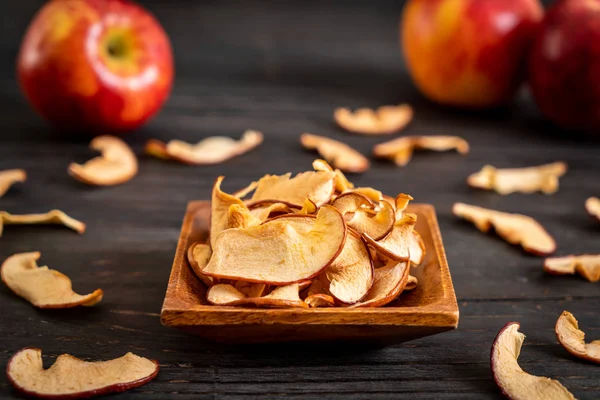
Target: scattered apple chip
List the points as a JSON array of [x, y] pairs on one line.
[[585, 265], [43, 287], [319, 300], [339, 154], [514, 228], [281, 297], [212, 150], [350, 276], [515, 383], [389, 282], [542, 178], [9, 177], [592, 205], [220, 203], [53, 217], [198, 255], [359, 214], [72, 378], [412, 283], [280, 251], [318, 186], [383, 121], [117, 164], [400, 150], [397, 244], [341, 183], [573, 339]]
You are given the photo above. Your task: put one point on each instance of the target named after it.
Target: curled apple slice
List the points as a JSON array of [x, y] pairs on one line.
[[592, 205], [319, 300], [198, 255], [573, 339], [220, 203], [238, 216], [586, 265], [246, 191], [542, 178], [372, 194], [515, 383], [341, 183], [400, 150], [72, 378], [262, 212], [398, 243], [383, 121], [389, 282], [42, 287], [53, 217], [250, 289], [281, 251], [514, 228], [350, 276], [281, 297], [318, 186], [309, 207], [412, 283], [223, 294], [9, 177], [157, 148], [359, 214], [339, 154], [117, 164]]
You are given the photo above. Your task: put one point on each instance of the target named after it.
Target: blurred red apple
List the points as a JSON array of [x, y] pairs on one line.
[[98, 66], [564, 65], [469, 53]]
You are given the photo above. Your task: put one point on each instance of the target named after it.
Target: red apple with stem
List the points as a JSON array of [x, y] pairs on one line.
[[95, 66], [564, 64]]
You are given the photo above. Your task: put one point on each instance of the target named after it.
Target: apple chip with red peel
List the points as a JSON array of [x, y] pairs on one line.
[[318, 186], [397, 244], [573, 339], [281, 251], [514, 228], [586, 265], [372, 194], [198, 255], [72, 378], [592, 205], [400, 150], [42, 287], [53, 217], [389, 282], [319, 300], [220, 204], [360, 214], [412, 283], [250, 289], [383, 121], [341, 183], [542, 178], [350, 276], [9, 177], [157, 148], [212, 150], [515, 383], [117, 164], [339, 154]]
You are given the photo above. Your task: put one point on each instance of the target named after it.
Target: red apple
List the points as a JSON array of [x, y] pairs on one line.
[[564, 64], [468, 53], [99, 66]]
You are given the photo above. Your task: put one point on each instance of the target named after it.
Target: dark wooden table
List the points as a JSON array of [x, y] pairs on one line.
[[282, 68]]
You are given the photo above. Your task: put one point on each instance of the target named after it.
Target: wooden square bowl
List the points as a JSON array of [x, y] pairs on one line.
[[429, 309]]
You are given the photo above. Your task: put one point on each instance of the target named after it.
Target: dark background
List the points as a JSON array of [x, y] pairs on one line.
[[282, 67]]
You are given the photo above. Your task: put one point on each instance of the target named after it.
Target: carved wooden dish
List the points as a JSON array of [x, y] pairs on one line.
[[429, 309]]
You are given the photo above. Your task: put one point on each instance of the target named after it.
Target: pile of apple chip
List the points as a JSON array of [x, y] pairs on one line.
[[312, 240]]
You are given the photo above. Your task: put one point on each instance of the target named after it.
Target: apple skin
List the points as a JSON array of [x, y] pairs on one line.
[[468, 53], [95, 66], [564, 65]]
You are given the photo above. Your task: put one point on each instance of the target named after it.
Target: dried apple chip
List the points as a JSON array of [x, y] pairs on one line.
[[42, 287], [157, 148], [239, 216], [412, 283], [281, 297], [383, 121], [515, 383], [9, 177], [341, 183], [250, 289], [360, 214], [281, 251], [198, 255], [514, 228], [220, 203], [592, 205], [586, 265], [53, 217], [350, 276], [339, 154], [72, 378], [318, 186], [117, 164], [389, 282], [542, 178], [573, 339], [397, 244], [223, 294], [263, 211], [400, 150], [319, 300]]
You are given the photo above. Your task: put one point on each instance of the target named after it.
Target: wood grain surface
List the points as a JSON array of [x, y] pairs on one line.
[[282, 67]]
